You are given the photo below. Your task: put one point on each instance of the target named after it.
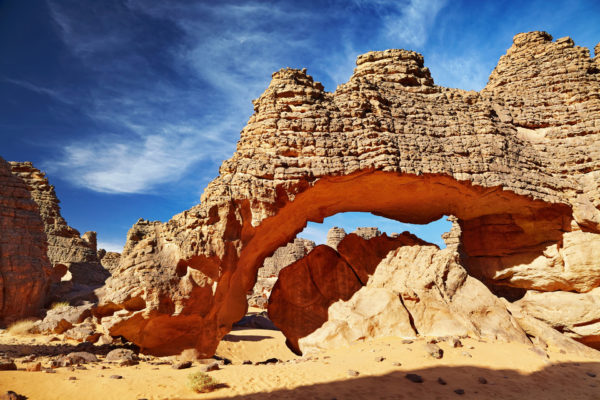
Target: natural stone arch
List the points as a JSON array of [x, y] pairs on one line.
[[504, 161]]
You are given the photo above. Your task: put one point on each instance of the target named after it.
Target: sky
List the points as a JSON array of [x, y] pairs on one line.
[[130, 106]]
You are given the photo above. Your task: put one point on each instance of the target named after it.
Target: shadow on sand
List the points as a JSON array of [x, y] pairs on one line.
[[566, 381]]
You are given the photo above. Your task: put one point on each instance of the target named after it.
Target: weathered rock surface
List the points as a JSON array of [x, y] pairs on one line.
[[335, 236], [267, 275], [417, 290], [543, 335], [305, 290], [513, 163], [24, 265], [577, 315], [109, 260], [68, 252]]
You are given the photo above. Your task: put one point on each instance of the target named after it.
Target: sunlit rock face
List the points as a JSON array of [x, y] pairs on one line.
[[517, 164], [306, 289], [24, 266], [76, 268]]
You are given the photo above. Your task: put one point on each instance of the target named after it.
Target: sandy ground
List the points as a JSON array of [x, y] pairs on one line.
[[512, 371]]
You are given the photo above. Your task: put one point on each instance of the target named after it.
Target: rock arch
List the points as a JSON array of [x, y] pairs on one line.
[[518, 164]]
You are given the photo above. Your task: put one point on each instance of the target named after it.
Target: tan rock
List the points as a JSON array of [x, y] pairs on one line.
[[66, 248], [577, 315], [573, 265], [422, 286]]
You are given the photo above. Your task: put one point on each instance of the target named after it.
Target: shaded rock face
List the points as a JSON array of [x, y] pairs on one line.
[[70, 254], [518, 164], [577, 315], [24, 266], [267, 275], [304, 291]]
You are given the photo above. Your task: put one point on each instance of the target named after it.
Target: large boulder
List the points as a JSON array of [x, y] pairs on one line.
[[577, 315], [417, 290]]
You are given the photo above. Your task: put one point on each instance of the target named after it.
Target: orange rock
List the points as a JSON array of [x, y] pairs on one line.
[[24, 265]]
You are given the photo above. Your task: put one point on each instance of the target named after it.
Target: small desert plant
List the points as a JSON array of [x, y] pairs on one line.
[[60, 304], [22, 327], [201, 383]]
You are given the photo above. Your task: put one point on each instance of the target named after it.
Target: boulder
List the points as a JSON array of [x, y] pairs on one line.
[[577, 315], [417, 290]]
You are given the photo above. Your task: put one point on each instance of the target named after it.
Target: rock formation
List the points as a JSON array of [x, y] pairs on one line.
[[417, 290], [294, 251], [306, 289], [517, 164], [334, 236], [577, 315], [69, 253], [267, 275], [24, 266]]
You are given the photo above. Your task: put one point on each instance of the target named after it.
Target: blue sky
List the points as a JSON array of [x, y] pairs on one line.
[[131, 105]]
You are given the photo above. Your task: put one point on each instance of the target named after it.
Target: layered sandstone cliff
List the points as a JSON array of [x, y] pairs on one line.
[[24, 265], [517, 164], [69, 252]]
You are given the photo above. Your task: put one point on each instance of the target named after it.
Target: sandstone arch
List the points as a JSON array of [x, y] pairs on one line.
[[518, 164]]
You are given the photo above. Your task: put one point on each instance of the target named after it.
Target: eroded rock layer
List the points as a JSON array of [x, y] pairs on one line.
[[68, 252], [518, 164], [24, 265]]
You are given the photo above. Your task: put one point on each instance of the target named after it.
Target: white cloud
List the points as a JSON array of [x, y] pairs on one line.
[[317, 233], [232, 49], [136, 166], [406, 21], [46, 91], [462, 71], [116, 247]]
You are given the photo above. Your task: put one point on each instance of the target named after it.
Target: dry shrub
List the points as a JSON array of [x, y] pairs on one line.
[[201, 383], [22, 327], [60, 304]]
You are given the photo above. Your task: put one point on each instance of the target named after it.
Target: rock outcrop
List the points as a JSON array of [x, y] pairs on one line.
[[517, 164], [417, 290], [70, 253], [577, 315], [24, 266], [267, 275], [306, 289], [335, 236]]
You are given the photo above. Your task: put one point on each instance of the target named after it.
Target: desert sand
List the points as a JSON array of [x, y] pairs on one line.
[[512, 371]]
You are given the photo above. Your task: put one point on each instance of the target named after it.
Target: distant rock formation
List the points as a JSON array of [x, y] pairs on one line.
[[267, 275], [24, 266], [517, 164], [70, 254], [335, 236]]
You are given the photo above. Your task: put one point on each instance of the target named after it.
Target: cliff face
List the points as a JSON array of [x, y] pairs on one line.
[[68, 252], [517, 164], [24, 265]]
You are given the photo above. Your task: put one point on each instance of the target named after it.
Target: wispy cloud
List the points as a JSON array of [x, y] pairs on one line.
[[114, 246], [406, 21], [170, 104], [43, 90], [462, 71]]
